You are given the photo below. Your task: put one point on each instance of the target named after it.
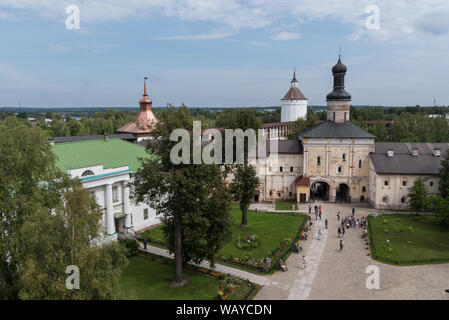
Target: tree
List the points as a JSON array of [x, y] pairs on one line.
[[191, 199], [25, 162], [242, 187], [418, 195], [242, 119], [444, 176], [47, 223], [68, 232], [440, 206]]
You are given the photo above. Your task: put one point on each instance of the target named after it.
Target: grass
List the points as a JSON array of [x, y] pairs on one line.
[[270, 228], [143, 279], [286, 205], [410, 237]]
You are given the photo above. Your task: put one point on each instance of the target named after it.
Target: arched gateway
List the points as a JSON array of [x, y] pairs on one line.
[[319, 190]]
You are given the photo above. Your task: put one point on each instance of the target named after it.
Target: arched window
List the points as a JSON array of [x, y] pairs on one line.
[[291, 169], [385, 200], [318, 160], [87, 173], [360, 163], [339, 169], [363, 189], [281, 169], [403, 200], [344, 157]]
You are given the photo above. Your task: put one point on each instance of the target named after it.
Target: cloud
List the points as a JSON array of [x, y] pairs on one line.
[[400, 20], [202, 36], [282, 36], [59, 47], [259, 43]]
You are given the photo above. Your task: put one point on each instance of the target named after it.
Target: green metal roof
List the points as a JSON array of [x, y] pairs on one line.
[[112, 153], [331, 129]]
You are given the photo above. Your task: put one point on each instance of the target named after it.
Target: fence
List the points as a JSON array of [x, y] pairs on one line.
[[393, 261]]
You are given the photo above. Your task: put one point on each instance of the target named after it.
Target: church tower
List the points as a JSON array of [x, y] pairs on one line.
[[293, 104], [338, 101]]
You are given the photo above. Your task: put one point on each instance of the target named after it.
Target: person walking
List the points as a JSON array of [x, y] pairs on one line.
[[338, 216], [320, 235], [343, 232], [145, 244], [319, 214], [353, 211], [310, 208], [340, 246], [325, 223], [303, 260], [339, 232]]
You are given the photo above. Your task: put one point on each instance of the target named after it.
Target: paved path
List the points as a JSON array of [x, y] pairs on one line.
[[262, 280]]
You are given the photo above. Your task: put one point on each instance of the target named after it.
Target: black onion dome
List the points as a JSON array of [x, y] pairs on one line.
[[339, 94], [339, 67]]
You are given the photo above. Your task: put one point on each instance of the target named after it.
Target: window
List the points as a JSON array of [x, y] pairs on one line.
[[281, 169], [318, 160], [92, 194], [334, 116], [132, 219], [145, 214], [290, 193], [360, 163], [403, 200], [269, 169], [404, 183], [115, 194], [87, 173], [271, 193], [385, 200], [363, 189], [431, 183], [386, 182], [344, 157], [291, 169], [339, 169]]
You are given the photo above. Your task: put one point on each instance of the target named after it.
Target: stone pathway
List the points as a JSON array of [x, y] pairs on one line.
[[244, 275]]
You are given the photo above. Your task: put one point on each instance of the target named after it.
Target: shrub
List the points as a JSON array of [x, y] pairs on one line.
[[132, 247]]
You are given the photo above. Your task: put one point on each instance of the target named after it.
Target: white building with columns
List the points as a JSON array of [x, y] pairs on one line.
[[106, 167]]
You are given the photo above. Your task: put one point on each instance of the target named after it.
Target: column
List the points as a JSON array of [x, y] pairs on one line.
[[126, 209], [110, 221]]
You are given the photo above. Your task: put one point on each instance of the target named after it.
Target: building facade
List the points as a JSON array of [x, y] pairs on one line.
[[105, 167]]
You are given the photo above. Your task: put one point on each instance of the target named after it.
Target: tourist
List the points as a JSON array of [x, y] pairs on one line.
[[145, 244], [283, 265], [325, 223], [319, 214], [310, 208], [320, 235], [340, 246], [295, 247], [338, 216], [339, 232], [303, 260], [267, 263], [365, 233], [343, 232], [353, 211]]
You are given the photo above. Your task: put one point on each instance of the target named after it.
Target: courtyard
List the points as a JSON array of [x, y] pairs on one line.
[[331, 274]]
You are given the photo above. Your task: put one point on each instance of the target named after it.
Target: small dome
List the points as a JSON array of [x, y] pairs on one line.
[[339, 67]]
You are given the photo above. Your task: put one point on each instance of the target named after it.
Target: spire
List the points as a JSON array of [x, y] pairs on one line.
[[145, 87], [294, 75], [339, 72]]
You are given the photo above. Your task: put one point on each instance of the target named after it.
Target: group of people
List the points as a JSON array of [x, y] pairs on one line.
[[350, 222], [317, 211]]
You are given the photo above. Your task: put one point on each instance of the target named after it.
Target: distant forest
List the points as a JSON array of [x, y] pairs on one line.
[[396, 124]]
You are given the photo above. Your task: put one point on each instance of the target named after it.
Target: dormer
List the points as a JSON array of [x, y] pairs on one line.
[[437, 152], [415, 152], [390, 152]]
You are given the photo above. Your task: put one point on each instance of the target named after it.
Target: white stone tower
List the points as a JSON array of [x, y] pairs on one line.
[[293, 104]]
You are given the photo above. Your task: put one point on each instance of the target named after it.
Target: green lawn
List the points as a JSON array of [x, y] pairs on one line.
[[270, 228], [410, 237], [149, 280], [286, 205]]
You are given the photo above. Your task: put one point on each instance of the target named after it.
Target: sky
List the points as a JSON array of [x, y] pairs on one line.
[[221, 52]]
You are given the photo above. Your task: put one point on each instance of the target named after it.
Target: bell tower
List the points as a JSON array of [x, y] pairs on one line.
[[338, 101]]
